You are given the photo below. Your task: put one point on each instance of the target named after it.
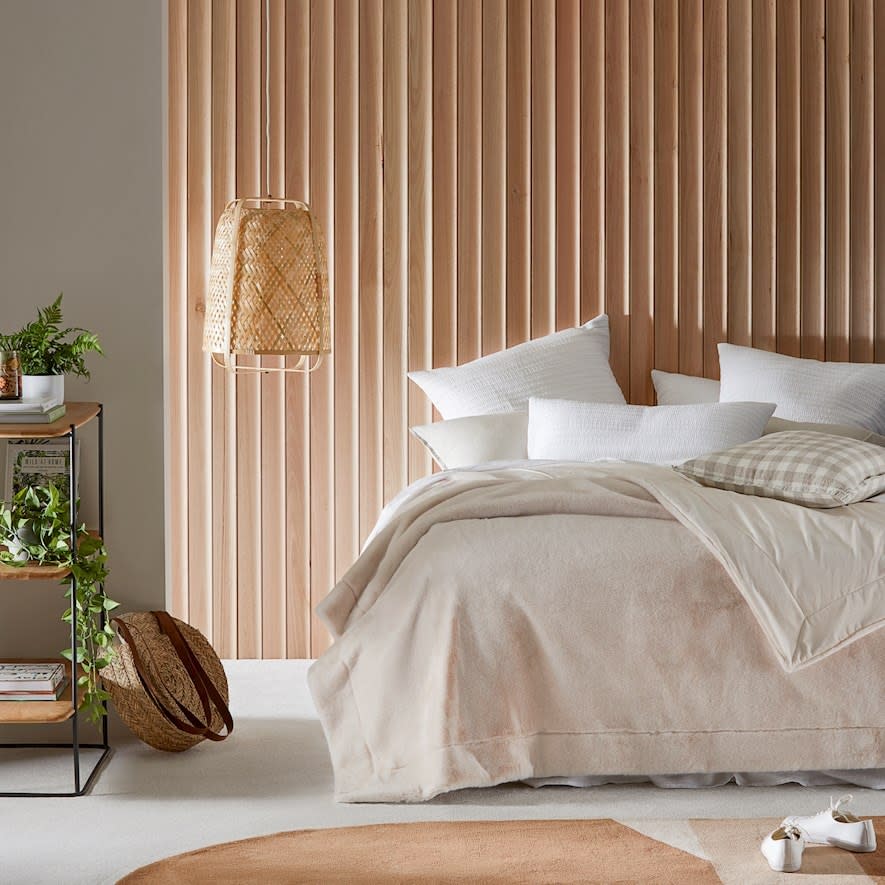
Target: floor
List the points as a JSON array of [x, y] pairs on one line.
[[274, 774]]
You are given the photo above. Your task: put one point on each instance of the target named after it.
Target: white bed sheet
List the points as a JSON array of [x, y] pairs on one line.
[[871, 778]]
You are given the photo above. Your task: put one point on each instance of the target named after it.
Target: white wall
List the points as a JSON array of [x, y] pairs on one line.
[[81, 211]]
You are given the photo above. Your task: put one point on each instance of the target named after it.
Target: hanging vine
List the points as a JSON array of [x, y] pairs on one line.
[[35, 530]]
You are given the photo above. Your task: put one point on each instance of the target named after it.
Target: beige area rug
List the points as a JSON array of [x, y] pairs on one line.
[[514, 853]]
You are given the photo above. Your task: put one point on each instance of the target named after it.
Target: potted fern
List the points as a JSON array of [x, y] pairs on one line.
[[48, 352]]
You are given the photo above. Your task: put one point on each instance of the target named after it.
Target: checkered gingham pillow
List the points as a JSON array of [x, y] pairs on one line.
[[801, 466]]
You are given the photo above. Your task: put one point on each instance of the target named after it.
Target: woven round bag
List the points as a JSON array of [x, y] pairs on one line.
[[167, 683]]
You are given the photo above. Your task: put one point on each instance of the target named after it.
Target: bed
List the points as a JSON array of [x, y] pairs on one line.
[[571, 621], [557, 621]]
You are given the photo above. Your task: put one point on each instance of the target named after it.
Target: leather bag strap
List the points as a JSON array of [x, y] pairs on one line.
[[198, 676], [206, 691]]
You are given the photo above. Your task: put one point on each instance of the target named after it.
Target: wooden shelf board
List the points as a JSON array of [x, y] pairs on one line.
[[77, 414], [36, 572], [32, 572], [39, 712]]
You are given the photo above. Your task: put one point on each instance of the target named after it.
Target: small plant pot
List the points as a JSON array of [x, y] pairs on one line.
[[43, 387]]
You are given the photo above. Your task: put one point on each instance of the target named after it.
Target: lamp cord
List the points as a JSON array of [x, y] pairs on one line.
[[267, 96]]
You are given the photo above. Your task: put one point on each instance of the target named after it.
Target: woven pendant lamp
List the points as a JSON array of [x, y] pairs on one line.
[[268, 285]]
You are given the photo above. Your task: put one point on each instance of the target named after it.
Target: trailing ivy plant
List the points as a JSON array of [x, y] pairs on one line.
[[35, 529], [45, 348]]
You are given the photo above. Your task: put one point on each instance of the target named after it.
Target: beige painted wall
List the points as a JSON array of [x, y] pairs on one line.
[[82, 189]]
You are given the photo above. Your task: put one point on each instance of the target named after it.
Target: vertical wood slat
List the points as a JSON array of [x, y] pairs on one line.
[[763, 175], [469, 180], [420, 222], [396, 245], [371, 232], [176, 329], [322, 470], [248, 386], [592, 154], [691, 187], [519, 188], [715, 184], [298, 619], [445, 177], [811, 180], [740, 129], [346, 333], [617, 187], [666, 203], [273, 385], [224, 470], [642, 158], [701, 169], [837, 179], [199, 379], [567, 163], [861, 301], [494, 175], [787, 117], [543, 165]]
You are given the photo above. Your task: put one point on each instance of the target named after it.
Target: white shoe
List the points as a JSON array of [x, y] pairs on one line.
[[783, 849], [834, 827]]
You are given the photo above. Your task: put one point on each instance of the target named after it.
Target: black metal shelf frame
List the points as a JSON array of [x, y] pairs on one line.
[[80, 786]]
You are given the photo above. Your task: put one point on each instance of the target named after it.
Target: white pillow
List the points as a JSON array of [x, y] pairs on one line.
[[674, 389], [572, 364], [477, 439], [805, 390], [569, 431]]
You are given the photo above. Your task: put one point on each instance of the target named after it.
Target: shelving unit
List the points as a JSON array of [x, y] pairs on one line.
[[66, 708]]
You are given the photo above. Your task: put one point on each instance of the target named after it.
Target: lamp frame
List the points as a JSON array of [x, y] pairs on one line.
[[228, 360]]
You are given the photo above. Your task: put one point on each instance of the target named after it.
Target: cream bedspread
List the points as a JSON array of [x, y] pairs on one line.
[[560, 620]]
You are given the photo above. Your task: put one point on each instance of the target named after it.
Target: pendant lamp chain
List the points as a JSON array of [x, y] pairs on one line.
[[267, 98], [268, 292]]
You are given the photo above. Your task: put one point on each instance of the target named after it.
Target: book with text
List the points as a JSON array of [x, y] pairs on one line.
[[29, 677]]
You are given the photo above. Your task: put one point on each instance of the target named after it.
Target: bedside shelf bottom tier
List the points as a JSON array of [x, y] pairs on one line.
[[39, 712]]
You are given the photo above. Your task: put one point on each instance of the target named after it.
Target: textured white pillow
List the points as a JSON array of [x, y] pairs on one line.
[[477, 439], [674, 389], [805, 390], [572, 364], [570, 431]]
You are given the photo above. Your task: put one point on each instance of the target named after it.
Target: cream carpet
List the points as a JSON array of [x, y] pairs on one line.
[[274, 775]]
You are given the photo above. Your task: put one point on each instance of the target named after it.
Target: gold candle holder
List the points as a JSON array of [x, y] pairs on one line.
[[10, 376]]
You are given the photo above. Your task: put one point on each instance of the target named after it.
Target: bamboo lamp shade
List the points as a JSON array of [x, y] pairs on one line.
[[268, 290]]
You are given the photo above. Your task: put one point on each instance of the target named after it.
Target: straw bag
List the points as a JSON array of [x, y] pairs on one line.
[[167, 682]]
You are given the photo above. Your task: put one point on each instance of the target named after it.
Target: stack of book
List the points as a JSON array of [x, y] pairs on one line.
[[32, 682], [35, 411]]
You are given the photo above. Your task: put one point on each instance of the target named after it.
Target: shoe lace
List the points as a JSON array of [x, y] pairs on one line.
[[791, 831], [836, 804]]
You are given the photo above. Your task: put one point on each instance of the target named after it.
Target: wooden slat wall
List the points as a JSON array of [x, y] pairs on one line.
[[486, 171]]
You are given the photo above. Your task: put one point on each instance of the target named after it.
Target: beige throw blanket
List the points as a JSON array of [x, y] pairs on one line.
[[556, 620]]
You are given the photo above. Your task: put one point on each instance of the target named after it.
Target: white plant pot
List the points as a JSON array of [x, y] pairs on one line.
[[41, 387]]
